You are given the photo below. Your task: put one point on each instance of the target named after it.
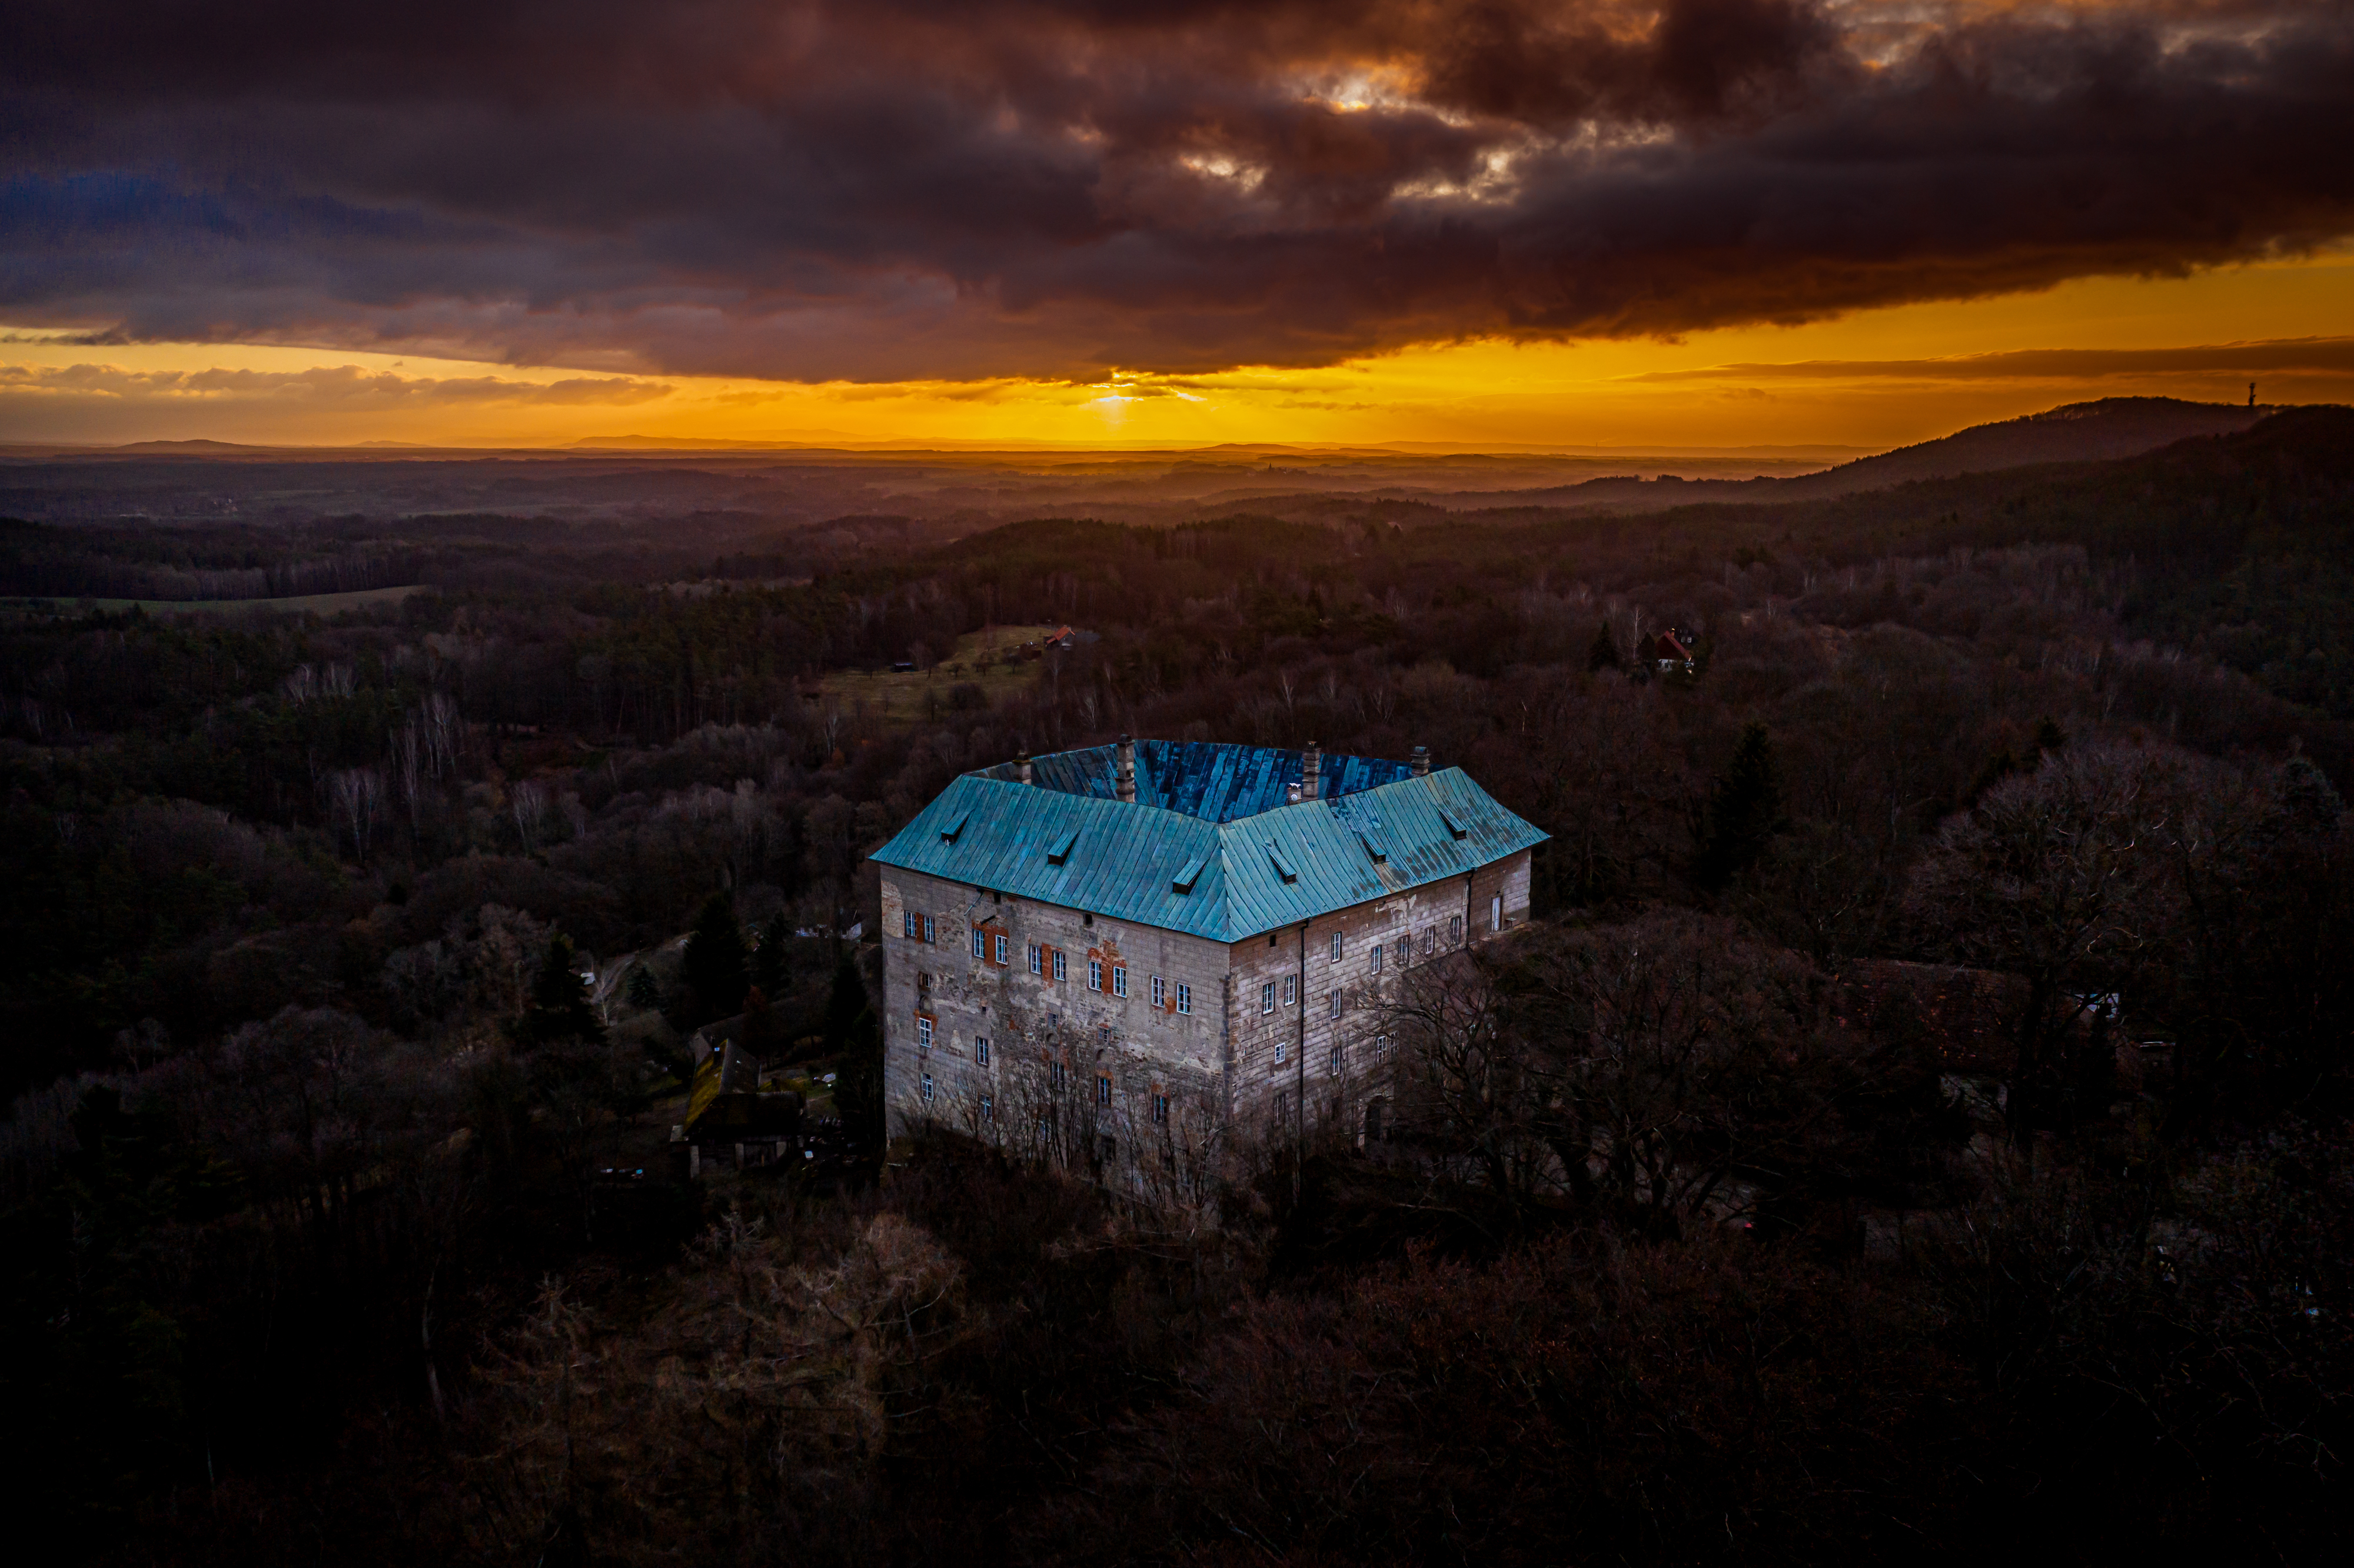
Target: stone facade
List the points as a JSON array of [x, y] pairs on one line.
[[1151, 1047]]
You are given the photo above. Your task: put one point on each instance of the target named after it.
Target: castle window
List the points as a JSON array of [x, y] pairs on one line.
[[1036, 964], [908, 917], [1160, 992], [928, 928], [1103, 1088], [980, 1050], [1184, 997], [1454, 929], [1266, 996], [1001, 947], [1120, 980], [1161, 1110], [923, 1033], [1336, 1061], [988, 1108], [980, 940], [1095, 974], [1062, 969], [1290, 989], [1375, 957], [1496, 913], [1332, 1005], [928, 1088], [1336, 946]]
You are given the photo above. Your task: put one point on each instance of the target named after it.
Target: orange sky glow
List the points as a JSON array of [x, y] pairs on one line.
[[1870, 378]]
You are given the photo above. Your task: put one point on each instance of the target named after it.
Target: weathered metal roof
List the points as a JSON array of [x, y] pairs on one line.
[[1216, 781], [1248, 873]]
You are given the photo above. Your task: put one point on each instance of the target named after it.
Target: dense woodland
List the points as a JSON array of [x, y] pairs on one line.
[[306, 1265]]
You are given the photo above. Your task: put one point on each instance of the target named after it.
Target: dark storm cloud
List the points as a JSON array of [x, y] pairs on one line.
[[884, 190]]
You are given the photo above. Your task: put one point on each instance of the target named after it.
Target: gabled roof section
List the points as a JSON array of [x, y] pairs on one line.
[[1215, 781], [1224, 879]]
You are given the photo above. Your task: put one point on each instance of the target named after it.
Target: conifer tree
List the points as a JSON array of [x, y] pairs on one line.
[[715, 971], [1744, 810], [559, 1007], [851, 1030], [772, 960], [1604, 654]]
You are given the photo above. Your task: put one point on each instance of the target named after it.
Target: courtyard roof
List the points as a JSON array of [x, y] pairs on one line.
[[1212, 846]]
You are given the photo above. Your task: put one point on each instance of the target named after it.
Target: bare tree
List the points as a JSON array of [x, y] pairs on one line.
[[358, 795], [527, 801], [1665, 1066], [2057, 877]]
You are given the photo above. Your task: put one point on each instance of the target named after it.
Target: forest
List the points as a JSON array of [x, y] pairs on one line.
[[1689, 1243]]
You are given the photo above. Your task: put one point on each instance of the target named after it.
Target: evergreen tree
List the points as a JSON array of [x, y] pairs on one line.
[[559, 1007], [1604, 654], [854, 1034], [644, 989], [772, 960], [846, 1009], [715, 971], [1745, 810]]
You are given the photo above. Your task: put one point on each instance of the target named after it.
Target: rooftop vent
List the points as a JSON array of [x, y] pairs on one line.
[[954, 826], [1454, 827], [1184, 880], [1374, 847], [1282, 867], [1062, 850]]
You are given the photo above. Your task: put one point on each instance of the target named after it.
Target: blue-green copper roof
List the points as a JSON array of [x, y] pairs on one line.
[[1255, 874]]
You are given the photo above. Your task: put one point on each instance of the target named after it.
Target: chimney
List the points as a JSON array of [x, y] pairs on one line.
[[1126, 787], [1022, 766], [1421, 760], [1312, 762]]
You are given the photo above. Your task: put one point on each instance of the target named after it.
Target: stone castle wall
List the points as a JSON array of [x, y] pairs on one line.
[[1230, 1067]]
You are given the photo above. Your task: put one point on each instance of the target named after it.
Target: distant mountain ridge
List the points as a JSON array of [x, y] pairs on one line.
[[2104, 430], [2098, 431]]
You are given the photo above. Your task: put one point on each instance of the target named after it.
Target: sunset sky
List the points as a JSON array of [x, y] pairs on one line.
[[1720, 223]]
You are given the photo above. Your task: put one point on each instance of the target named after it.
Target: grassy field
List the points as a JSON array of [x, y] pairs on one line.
[[978, 659], [311, 603]]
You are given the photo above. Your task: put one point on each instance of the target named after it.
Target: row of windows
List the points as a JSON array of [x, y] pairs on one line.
[[1374, 958], [992, 945], [1291, 995], [1045, 962], [1429, 936], [1103, 1098], [985, 945]]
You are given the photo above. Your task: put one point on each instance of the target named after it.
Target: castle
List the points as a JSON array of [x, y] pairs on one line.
[[1137, 954]]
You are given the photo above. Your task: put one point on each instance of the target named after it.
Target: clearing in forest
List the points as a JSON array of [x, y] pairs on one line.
[[991, 659]]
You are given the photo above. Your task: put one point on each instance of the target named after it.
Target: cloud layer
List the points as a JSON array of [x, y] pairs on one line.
[[919, 188]]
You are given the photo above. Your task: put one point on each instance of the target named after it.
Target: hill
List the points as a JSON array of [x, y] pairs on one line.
[[2098, 431]]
